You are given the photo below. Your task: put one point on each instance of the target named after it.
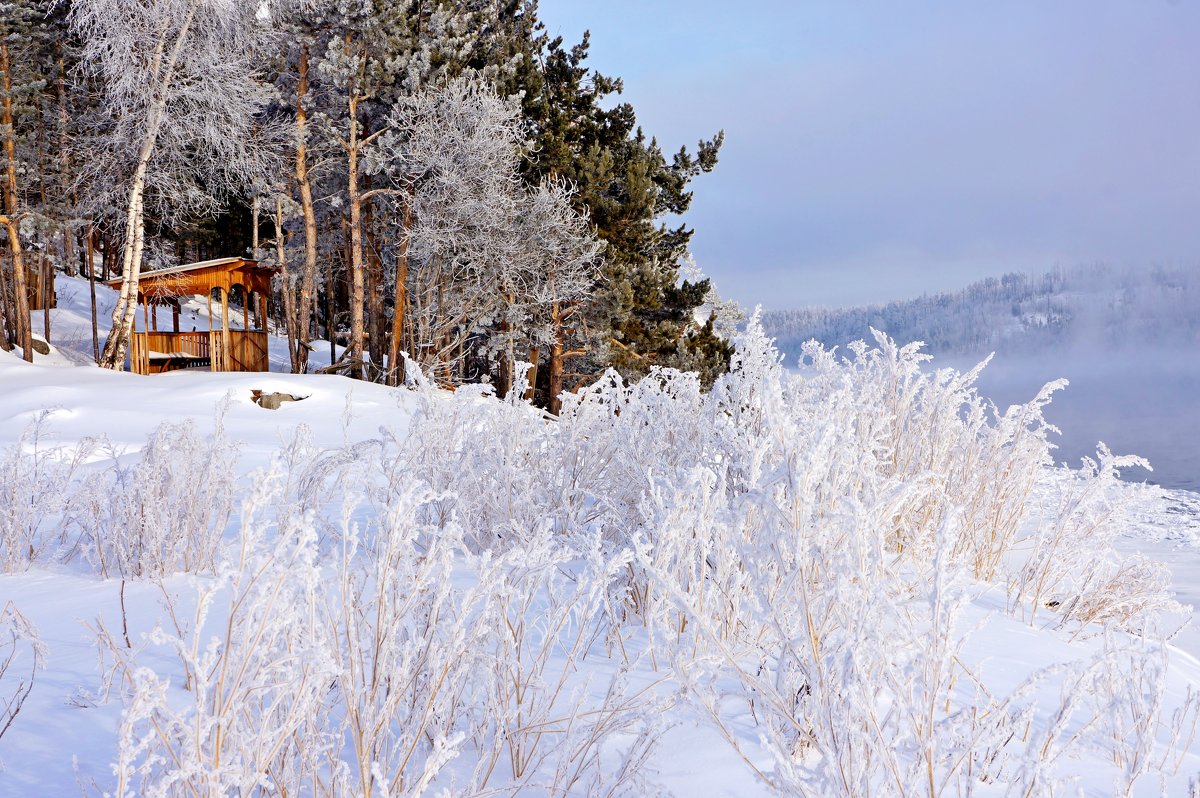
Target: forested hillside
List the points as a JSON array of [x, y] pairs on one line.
[[1093, 305], [438, 178]]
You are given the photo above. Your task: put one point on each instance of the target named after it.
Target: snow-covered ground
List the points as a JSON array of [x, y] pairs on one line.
[[487, 524]]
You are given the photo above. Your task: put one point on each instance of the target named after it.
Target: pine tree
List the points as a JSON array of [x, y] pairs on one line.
[[642, 313]]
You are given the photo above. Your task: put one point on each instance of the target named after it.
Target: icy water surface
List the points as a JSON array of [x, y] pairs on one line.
[[1137, 402]]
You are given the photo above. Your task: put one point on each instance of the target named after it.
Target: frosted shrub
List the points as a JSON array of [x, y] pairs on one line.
[[859, 503], [489, 461], [36, 495], [168, 511], [407, 652], [796, 556], [541, 725], [1068, 564], [22, 655], [256, 668]]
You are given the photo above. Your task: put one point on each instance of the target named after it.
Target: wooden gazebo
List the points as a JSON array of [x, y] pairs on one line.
[[152, 351]]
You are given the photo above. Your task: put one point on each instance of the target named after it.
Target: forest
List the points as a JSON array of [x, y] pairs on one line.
[[1097, 306], [431, 177]]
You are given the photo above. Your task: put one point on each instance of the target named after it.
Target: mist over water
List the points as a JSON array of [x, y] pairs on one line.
[[1128, 340], [1137, 401]]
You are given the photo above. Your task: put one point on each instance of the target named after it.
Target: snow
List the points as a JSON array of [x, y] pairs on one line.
[[67, 733]]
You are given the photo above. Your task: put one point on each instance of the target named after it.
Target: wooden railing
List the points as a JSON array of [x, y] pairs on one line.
[[244, 351]]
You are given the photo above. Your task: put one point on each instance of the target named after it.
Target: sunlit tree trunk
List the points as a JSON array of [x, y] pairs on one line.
[[395, 366], [113, 356], [308, 279], [20, 299]]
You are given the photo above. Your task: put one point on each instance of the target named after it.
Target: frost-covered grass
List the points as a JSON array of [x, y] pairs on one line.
[[858, 580]]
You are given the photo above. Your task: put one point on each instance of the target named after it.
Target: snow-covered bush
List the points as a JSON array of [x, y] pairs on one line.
[[22, 655], [1068, 561], [407, 641], [544, 725], [799, 558], [36, 495], [256, 670], [167, 511]]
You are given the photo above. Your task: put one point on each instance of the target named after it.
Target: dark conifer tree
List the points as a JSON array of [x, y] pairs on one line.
[[642, 314]]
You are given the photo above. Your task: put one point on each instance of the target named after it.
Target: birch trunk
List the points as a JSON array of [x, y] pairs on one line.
[[125, 311]]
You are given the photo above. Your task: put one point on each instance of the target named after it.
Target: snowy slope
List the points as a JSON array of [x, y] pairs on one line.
[[487, 524]]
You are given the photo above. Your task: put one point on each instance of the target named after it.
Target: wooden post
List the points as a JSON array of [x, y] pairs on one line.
[[153, 316], [262, 311], [175, 315], [213, 350], [245, 309], [225, 329]]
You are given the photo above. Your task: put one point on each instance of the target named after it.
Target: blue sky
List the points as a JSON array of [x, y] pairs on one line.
[[879, 150]]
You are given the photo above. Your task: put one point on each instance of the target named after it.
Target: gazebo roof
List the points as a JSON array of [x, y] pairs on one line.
[[202, 277]]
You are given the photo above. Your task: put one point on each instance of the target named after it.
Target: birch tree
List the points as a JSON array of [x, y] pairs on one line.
[[181, 93]]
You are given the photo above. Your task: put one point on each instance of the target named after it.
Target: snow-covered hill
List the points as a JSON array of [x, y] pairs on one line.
[[1095, 307], [853, 582]]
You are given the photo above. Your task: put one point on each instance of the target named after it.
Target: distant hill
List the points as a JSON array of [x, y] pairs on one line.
[[1094, 306]]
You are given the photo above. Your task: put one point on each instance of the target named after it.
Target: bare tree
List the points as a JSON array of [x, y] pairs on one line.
[[181, 96], [453, 151], [562, 262]]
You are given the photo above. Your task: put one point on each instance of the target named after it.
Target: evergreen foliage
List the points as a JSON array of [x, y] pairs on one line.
[[643, 313]]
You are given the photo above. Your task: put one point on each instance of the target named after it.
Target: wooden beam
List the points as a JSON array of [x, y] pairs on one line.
[[225, 329], [212, 350]]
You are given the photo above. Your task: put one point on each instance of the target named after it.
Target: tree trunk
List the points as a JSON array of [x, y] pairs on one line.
[[113, 356], [395, 366], [330, 332], [374, 286], [254, 228], [124, 313], [20, 302], [64, 154], [91, 269], [531, 373], [554, 374], [308, 279], [46, 287], [7, 332], [356, 254], [289, 301]]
